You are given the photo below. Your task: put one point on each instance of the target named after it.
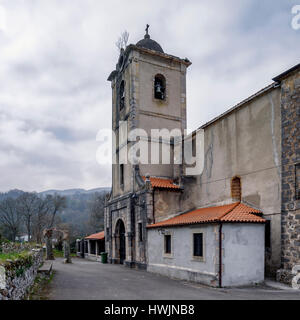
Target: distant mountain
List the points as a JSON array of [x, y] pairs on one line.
[[15, 193], [71, 192], [77, 212]]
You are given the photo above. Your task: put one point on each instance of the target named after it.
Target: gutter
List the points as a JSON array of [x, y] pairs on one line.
[[220, 255]]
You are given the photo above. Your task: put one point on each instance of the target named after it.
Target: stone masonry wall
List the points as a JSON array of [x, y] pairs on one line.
[[16, 277], [290, 227], [7, 247]]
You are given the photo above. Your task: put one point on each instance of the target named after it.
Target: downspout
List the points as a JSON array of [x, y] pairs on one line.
[[220, 255], [153, 210]]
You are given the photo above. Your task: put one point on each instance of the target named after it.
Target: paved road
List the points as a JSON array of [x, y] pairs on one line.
[[89, 280]]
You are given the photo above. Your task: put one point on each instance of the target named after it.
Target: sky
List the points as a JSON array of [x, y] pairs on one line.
[[56, 55]]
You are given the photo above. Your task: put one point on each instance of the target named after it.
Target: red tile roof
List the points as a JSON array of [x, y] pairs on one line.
[[96, 236], [162, 183], [235, 212], [243, 213]]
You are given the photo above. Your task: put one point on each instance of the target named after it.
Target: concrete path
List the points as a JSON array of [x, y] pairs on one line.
[[87, 280]]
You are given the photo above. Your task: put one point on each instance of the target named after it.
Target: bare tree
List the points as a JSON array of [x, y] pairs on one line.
[[10, 217], [27, 207], [122, 41], [41, 219], [55, 204], [96, 212]]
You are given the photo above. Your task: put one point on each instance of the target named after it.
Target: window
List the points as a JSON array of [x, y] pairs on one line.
[[121, 174], [198, 244], [107, 232], [140, 232], [268, 234], [236, 190], [194, 145], [159, 87], [297, 181], [168, 244], [122, 94]]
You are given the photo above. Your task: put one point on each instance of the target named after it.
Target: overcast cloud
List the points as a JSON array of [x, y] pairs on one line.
[[55, 56]]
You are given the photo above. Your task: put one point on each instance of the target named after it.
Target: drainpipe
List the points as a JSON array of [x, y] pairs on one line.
[[220, 255], [153, 211]]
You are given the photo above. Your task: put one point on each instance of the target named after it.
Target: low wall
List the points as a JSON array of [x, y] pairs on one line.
[[284, 276], [209, 279], [8, 247], [17, 276], [92, 257], [290, 277]]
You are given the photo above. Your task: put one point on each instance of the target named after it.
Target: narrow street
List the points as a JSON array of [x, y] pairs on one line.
[[87, 280]]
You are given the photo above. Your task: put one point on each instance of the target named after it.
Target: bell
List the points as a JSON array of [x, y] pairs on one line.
[[158, 88]]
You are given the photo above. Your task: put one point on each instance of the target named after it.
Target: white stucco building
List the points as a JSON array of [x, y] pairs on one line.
[[216, 246]]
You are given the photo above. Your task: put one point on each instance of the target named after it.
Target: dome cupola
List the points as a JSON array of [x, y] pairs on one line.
[[149, 43]]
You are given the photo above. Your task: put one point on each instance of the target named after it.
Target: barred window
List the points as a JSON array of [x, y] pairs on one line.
[[236, 189]]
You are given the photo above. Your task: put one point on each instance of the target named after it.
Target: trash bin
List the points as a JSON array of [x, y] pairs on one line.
[[104, 257]]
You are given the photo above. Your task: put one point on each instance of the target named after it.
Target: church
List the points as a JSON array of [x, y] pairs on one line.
[[238, 219]]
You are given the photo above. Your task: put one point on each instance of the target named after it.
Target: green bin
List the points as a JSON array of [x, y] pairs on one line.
[[104, 257]]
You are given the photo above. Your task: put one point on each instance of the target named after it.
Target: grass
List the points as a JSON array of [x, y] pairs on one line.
[[40, 288], [12, 255], [60, 254]]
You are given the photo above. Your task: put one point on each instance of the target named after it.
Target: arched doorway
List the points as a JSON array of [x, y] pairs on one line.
[[120, 241]]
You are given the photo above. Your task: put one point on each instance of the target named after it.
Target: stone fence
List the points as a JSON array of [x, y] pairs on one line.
[[291, 278], [17, 276], [8, 247]]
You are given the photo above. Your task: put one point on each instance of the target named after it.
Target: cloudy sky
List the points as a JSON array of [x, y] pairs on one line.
[[55, 56]]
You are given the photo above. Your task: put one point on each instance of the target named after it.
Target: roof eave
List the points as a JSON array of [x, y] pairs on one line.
[[130, 47], [286, 73], [200, 222]]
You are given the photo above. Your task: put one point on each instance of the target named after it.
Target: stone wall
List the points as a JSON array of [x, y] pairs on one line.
[[16, 277], [290, 112], [7, 247]]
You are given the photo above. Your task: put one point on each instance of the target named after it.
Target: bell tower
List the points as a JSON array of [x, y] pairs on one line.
[[148, 92]]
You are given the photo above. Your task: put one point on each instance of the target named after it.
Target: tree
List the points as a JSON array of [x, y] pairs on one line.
[[27, 205], [10, 217], [96, 212], [55, 204], [40, 220], [122, 41]]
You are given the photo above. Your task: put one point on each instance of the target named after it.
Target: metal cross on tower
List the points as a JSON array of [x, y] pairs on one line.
[[147, 28]]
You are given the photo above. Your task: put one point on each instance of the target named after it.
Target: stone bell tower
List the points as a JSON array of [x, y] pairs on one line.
[[148, 92]]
